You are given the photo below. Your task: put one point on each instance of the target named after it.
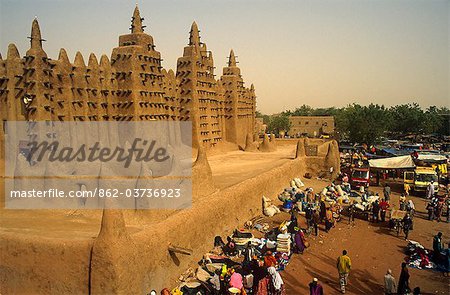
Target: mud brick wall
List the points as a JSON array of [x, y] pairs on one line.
[[130, 86]]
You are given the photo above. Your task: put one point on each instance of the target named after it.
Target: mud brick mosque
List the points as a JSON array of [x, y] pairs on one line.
[[131, 86]]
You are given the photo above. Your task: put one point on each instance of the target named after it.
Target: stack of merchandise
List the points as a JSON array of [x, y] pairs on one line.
[[284, 243], [241, 238]]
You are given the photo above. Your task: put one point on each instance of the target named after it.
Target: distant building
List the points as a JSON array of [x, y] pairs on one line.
[[311, 126]]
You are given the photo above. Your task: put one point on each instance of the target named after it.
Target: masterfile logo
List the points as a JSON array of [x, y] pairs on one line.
[[138, 165], [140, 150]]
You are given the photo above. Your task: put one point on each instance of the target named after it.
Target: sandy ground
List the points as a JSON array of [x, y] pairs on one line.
[[235, 166], [373, 249]]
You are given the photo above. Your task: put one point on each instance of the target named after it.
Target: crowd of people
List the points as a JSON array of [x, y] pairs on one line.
[[437, 204], [256, 266]]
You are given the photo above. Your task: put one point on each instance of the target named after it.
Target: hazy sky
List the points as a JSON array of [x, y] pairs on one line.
[[317, 52]]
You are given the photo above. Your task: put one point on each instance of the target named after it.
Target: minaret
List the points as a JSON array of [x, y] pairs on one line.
[[38, 79], [198, 91], [232, 59], [194, 36], [137, 66], [136, 22], [240, 103], [36, 39], [232, 68]]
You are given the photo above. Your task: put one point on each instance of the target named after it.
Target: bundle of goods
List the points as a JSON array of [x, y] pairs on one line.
[[360, 204], [284, 196], [194, 287], [284, 243], [288, 194], [268, 208], [297, 183], [290, 190], [215, 261], [419, 257], [372, 199], [270, 245], [262, 227], [241, 239], [360, 207], [398, 214], [283, 227]]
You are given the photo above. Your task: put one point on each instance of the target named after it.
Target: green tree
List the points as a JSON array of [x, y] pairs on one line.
[[325, 111], [278, 123], [363, 124], [432, 121], [407, 118], [367, 124], [304, 110]]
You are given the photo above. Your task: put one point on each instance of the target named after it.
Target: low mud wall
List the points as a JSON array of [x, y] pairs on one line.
[[34, 265], [58, 266]]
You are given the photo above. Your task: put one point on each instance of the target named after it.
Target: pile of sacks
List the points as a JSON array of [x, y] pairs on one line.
[[292, 196], [336, 193], [297, 183], [269, 209], [363, 203]]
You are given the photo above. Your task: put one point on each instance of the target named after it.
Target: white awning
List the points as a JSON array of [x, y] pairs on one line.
[[432, 158], [401, 162]]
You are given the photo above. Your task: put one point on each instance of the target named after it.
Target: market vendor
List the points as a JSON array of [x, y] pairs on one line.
[[447, 261], [310, 195], [236, 280], [364, 195], [431, 208], [346, 187], [329, 220], [269, 259], [276, 285], [299, 196], [299, 239], [259, 272], [323, 209], [387, 192], [230, 247], [345, 178], [383, 207], [315, 221], [249, 252], [407, 225], [410, 208], [406, 188], [293, 223], [437, 248], [375, 211], [402, 202], [216, 283]]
